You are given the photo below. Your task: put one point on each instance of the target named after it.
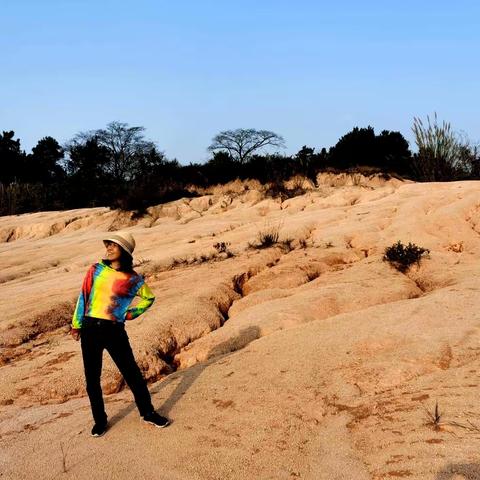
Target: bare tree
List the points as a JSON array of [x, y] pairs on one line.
[[243, 143], [126, 147]]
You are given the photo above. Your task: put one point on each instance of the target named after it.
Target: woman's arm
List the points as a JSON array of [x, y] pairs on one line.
[[79, 312], [147, 297]]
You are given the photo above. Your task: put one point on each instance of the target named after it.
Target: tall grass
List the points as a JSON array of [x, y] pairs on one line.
[[441, 155]]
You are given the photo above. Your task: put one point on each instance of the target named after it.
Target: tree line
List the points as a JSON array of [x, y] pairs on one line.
[[118, 167]]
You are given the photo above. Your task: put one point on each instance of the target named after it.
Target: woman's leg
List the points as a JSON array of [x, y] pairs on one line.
[[92, 349], [119, 349]]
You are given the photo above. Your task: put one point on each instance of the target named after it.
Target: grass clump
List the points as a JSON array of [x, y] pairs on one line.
[[270, 237], [222, 247], [402, 257], [222, 252], [443, 155], [434, 418], [286, 244], [266, 238]]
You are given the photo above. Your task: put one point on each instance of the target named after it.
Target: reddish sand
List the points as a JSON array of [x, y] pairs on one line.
[[317, 360]]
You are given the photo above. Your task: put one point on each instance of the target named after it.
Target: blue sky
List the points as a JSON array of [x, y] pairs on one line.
[[185, 70]]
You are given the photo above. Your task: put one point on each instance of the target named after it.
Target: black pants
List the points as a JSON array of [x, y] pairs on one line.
[[97, 335]]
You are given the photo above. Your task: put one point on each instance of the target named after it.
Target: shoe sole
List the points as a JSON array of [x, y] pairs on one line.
[[98, 434], [155, 425]]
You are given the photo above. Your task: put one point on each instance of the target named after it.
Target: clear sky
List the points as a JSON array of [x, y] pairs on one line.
[[185, 70]]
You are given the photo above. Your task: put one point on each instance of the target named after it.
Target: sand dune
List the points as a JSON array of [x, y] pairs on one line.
[[312, 359]]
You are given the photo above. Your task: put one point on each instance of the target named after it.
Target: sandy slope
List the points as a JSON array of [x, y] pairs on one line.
[[317, 363]]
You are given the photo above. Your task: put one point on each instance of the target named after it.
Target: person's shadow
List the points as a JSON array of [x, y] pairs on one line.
[[189, 375], [469, 471]]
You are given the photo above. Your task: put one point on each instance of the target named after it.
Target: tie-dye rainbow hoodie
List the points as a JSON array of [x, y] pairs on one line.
[[107, 293]]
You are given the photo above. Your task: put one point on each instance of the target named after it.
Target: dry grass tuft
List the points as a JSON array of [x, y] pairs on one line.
[[433, 418]]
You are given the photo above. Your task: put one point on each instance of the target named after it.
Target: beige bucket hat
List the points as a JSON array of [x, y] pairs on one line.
[[124, 239]]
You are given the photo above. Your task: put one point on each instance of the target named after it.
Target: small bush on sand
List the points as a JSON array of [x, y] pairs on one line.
[[222, 247], [266, 238], [286, 244], [403, 257], [434, 418], [269, 237]]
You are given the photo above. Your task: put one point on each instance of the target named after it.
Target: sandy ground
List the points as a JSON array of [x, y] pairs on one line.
[[319, 361]]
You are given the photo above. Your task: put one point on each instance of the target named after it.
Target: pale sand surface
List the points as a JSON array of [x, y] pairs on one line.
[[315, 363]]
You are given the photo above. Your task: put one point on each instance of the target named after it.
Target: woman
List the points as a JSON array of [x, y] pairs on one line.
[[99, 322]]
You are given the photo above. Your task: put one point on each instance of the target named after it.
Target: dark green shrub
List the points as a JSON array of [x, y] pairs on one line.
[[402, 257], [277, 189], [361, 147]]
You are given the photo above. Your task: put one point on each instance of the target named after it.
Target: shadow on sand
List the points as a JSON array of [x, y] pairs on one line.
[[468, 471], [189, 375]]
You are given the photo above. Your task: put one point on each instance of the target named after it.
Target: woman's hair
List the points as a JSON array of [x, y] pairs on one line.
[[126, 261]]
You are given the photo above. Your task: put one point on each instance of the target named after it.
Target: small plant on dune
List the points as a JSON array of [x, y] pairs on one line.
[[269, 237], [222, 247], [433, 418], [178, 261], [266, 238], [302, 242], [286, 244], [403, 257]]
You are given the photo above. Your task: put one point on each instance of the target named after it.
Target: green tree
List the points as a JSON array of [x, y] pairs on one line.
[[44, 163], [304, 158], [12, 159], [221, 168], [355, 148], [88, 182], [393, 152], [87, 160], [361, 147]]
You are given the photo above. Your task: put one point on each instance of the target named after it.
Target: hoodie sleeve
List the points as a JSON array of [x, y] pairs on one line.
[[147, 297], [79, 312]]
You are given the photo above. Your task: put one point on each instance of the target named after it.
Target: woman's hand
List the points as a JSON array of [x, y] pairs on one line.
[[75, 332]]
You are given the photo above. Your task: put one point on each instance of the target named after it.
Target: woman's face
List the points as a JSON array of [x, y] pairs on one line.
[[113, 251]]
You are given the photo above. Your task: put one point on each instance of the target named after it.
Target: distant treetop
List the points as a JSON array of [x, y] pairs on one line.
[[242, 143]]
